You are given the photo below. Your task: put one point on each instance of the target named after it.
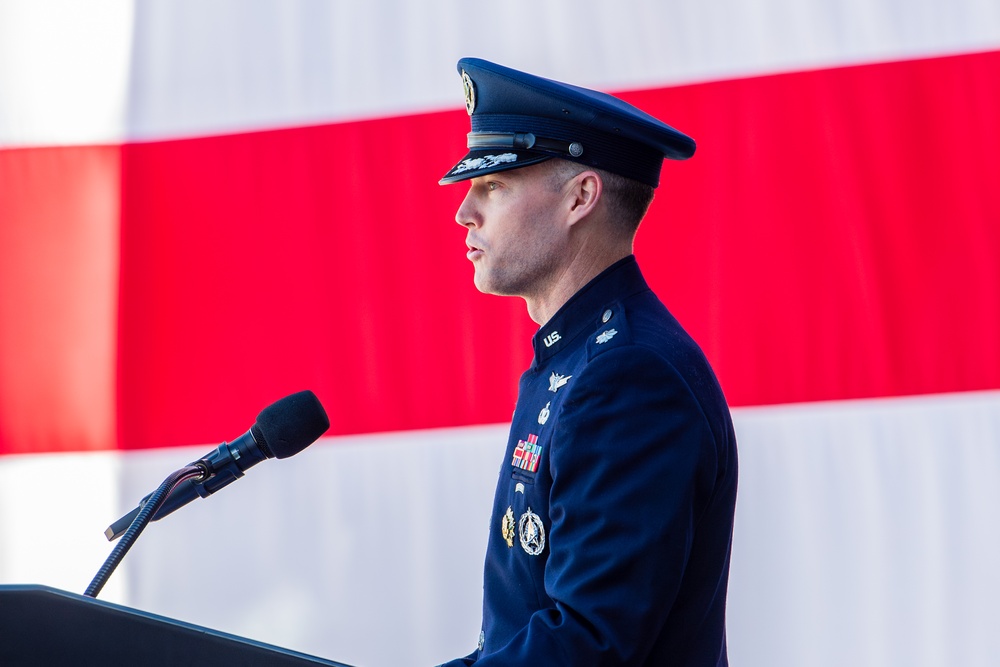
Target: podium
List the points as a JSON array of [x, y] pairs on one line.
[[47, 626]]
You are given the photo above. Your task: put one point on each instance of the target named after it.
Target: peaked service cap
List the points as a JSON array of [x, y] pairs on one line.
[[520, 119]]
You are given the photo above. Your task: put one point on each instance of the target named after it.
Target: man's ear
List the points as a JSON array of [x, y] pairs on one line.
[[584, 192]]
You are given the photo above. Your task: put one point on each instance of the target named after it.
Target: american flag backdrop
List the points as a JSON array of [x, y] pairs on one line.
[[207, 205]]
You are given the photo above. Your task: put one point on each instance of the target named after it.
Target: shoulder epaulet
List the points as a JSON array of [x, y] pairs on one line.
[[612, 331]]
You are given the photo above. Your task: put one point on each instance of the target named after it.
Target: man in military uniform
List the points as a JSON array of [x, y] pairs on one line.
[[613, 516]]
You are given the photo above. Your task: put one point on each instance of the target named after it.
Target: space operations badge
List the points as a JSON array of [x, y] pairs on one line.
[[531, 533]]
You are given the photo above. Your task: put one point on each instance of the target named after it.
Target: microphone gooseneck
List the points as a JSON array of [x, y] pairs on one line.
[[282, 429], [141, 521]]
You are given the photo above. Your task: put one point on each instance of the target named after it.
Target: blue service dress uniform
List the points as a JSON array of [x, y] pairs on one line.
[[612, 522]]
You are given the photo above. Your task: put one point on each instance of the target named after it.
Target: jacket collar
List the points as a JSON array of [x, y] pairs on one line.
[[585, 310]]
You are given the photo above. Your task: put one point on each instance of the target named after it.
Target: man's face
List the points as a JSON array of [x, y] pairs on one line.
[[515, 239]]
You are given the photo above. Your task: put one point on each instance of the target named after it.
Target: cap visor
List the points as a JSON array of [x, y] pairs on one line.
[[490, 161]]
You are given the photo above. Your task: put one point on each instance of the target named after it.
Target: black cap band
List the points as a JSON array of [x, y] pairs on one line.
[[523, 141]]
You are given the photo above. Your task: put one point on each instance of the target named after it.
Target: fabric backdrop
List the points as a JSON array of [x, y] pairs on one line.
[[205, 206]]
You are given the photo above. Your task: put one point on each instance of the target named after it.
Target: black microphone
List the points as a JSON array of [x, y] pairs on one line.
[[282, 429]]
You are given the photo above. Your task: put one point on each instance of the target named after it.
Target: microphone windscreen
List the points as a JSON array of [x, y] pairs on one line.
[[291, 424]]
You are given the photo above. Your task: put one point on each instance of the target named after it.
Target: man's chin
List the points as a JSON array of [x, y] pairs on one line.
[[486, 285]]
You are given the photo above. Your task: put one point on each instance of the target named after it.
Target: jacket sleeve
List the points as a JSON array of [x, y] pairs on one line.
[[633, 463], [467, 661]]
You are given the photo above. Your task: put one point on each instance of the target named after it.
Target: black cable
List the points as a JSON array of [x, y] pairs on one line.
[[145, 514]]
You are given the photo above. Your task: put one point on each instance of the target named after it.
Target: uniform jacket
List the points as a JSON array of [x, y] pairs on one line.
[[613, 516]]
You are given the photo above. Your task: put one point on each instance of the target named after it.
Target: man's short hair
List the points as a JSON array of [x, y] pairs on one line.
[[627, 200]]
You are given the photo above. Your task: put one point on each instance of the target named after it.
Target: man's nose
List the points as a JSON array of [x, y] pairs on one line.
[[466, 214]]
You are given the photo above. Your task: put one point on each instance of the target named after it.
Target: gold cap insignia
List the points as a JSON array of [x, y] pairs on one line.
[[470, 92]]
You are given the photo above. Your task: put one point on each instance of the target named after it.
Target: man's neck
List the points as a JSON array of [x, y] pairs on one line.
[[575, 274]]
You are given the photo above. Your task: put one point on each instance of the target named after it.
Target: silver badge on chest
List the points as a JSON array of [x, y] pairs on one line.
[[531, 533], [557, 381], [543, 416]]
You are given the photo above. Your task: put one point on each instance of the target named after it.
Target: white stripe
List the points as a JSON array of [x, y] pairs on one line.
[[866, 535], [50, 509], [64, 70], [368, 549], [198, 67]]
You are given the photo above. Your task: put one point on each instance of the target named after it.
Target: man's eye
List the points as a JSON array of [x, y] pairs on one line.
[[492, 185]]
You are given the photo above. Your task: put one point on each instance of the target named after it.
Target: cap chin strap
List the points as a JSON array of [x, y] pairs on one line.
[[523, 141]]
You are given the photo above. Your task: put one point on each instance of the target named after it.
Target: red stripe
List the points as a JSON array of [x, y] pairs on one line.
[[836, 236], [323, 258], [58, 298]]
